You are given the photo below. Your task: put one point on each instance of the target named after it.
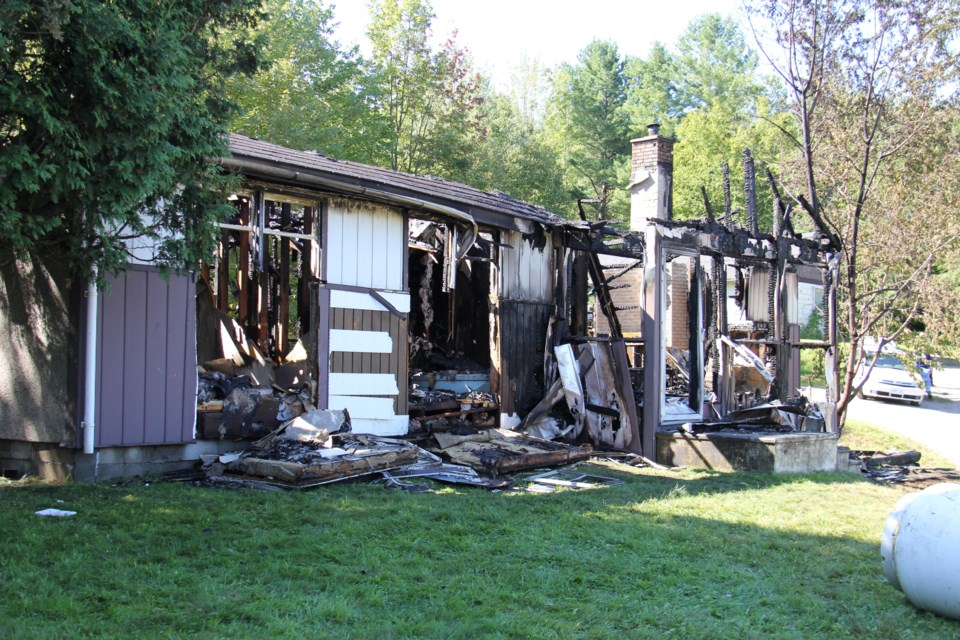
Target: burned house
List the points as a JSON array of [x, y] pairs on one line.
[[399, 278], [337, 285], [417, 306], [721, 363]]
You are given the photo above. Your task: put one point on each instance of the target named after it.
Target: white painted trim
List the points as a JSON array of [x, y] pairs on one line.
[[362, 384], [361, 407], [360, 341], [340, 299], [395, 426]]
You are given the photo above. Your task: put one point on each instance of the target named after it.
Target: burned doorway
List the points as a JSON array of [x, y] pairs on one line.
[[256, 317], [451, 362], [681, 336], [450, 311]]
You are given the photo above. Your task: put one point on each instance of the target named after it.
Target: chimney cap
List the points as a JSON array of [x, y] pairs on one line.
[[653, 129]]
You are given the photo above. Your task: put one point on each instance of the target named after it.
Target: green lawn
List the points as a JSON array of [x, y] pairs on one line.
[[667, 554]]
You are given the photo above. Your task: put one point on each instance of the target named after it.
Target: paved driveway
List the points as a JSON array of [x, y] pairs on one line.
[[935, 423]]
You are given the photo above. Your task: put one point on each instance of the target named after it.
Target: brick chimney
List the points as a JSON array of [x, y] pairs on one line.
[[651, 178]]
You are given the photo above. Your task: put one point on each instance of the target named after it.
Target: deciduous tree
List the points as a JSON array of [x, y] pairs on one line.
[[313, 93], [873, 90], [430, 98]]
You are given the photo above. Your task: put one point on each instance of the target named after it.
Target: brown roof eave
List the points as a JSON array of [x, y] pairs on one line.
[[265, 161]]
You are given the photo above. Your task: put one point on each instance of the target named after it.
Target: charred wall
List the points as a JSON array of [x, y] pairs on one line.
[[523, 327]]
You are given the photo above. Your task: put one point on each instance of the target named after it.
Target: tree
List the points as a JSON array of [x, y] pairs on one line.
[[515, 158], [653, 94], [873, 90], [715, 66], [591, 128], [430, 99], [112, 117], [708, 139], [313, 94], [710, 97]]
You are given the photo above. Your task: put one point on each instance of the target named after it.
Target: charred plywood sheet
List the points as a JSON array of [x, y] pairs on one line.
[[296, 464], [498, 451]]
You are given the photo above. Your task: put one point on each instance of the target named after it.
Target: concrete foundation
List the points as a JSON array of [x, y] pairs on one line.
[[766, 452], [45, 460], [59, 464], [119, 462]]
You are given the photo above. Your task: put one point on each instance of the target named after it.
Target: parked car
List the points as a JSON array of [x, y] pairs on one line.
[[889, 379]]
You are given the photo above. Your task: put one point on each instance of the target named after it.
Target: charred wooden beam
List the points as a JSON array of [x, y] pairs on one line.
[[578, 311], [706, 204], [727, 198], [303, 281], [604, 299], [223, 272], [750, 192], [283, 310], [779, 211], [244, 284]]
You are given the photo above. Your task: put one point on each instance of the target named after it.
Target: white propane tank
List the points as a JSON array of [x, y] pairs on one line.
[[921, 548]]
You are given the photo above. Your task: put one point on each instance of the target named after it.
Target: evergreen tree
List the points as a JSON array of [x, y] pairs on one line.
[[112, 115]]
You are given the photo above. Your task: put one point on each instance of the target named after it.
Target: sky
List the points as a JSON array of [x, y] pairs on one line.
[[499, 33]]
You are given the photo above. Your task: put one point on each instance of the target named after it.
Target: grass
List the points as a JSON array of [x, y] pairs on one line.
[[811, 368], [667, 554], [866, 437]]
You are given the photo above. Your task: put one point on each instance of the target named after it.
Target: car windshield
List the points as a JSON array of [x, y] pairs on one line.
[[889, 361]]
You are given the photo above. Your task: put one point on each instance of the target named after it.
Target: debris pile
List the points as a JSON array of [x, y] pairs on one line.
[[499, 452], [318, 447], [230, 408], [799, 415], [312, 449], [592, 397], [678, 372], [442, 410], [902, 467]]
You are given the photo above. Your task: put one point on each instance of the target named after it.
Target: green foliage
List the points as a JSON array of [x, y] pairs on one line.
[[813, 329], [313, 94], [430, 99], [724, 107], [110, 116], [515, 158], [591, 129], [812, 372], [715, 67], [652, 90], [719, 134]]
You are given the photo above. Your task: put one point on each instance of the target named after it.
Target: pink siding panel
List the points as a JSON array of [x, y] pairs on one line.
[[155, 386], [146, 369], [110, 342], [134, 358]]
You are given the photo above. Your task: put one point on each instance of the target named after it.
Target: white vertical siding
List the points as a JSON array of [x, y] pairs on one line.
[[758, 297], [526, 271], [364, 245], [811, 297], [791, 302]]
